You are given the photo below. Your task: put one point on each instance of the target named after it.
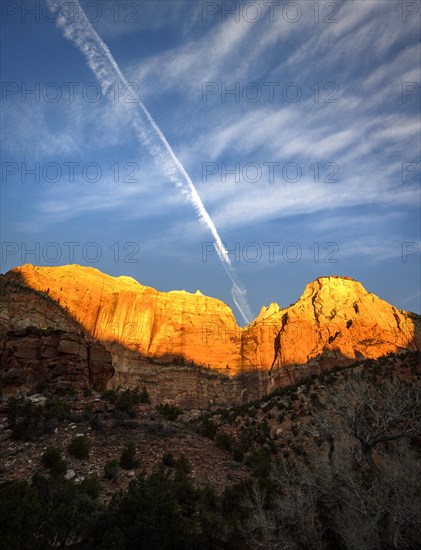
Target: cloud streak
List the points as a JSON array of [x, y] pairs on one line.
[[77, 28]]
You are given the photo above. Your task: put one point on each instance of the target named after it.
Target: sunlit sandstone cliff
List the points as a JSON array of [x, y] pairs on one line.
[[335, 320], [157, 324]]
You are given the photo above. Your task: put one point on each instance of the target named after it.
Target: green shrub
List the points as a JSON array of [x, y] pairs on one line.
[[207, 428], [168, 460], [262, 432], [112, 469], [128, 459], [54, 408], [160, 511], [260, 461], [127, 399], [238, 454], [43, 514], [91, 486], [24, 419], [53, 460], [245, 442], [21, 512], [233, 500], [182, 465], [171, 412], [79, 447], [51, 456], [125, 403], [224, 441], [59, 468], [144, 396]]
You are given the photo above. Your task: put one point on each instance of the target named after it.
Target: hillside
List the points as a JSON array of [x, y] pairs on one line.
[[333, 461]]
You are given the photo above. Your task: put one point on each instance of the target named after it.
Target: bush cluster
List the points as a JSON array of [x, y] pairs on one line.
[[162, 510], [171, 412], [28, 421], [128, 460], [79, 447]]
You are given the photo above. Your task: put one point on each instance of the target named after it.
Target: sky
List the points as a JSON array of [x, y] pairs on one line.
[[297, 122]]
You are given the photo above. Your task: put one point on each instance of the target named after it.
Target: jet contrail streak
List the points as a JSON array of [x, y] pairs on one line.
[[76, 27]]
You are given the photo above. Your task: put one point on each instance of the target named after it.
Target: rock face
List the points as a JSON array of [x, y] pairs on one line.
[[40, 343], [335, 321], [157, 324], [188, 347], [53, 358]]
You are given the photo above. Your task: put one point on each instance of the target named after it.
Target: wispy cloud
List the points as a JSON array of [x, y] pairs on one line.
[[41, 129], [213, 56], [172, 51], [274, 201]]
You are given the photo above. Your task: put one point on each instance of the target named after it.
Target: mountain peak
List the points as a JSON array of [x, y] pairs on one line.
[[336, 320], [335, 286]]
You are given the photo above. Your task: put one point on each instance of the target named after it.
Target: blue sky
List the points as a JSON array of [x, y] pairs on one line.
[[298, 122]]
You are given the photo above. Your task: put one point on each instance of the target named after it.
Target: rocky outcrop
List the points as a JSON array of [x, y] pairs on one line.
[[335, 321], [119, 309], [54, 359], [189, 346], [22, 306]]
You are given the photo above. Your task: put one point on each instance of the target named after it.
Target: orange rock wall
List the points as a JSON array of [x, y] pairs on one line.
[[335, 320]]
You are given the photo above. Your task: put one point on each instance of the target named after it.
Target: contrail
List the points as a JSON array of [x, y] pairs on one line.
[[76, 27]]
